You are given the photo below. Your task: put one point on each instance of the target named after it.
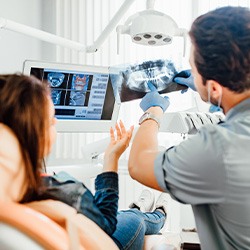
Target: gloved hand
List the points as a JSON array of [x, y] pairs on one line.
[[154, 99], [185, 78], [214, 108]]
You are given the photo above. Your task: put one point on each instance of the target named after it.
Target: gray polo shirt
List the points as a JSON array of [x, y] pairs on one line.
[[211, 171]]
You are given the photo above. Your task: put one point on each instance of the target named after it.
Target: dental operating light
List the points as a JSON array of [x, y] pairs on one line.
[[149, 27]]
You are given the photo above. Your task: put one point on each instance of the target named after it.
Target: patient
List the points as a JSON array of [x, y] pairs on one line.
[[27, 131]]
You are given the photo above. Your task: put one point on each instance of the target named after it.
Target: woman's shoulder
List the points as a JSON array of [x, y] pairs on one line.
[[10, 153]]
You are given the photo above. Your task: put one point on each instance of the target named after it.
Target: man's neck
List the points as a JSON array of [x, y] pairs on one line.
[[231, 99]]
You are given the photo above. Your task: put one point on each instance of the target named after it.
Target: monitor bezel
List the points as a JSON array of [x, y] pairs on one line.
[[74, 125]]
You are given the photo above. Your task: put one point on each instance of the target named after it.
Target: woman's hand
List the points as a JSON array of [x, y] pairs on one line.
[[119, 141]]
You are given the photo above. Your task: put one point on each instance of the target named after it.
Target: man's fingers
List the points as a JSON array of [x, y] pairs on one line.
[[151, 86]]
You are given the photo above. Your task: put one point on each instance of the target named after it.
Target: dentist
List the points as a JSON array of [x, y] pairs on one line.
[[211, 170]]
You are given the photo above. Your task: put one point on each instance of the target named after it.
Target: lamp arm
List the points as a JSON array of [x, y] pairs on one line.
[[111, 25], [42, 35], [51, 38], [150, 4]]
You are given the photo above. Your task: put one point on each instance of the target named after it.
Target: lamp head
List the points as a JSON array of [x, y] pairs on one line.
[[151, 27]]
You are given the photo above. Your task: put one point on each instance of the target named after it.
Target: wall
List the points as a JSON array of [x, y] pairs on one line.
[[15, 48]]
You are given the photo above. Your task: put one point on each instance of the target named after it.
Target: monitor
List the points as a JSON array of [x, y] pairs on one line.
[[83, 95]]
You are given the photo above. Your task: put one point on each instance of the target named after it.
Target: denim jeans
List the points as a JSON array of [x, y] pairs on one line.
[[133, 225], [127, 227], [100, 208]]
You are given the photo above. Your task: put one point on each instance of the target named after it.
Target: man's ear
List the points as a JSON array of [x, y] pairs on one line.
[[215, 89]]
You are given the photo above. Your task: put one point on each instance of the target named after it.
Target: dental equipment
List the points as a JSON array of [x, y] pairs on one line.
[[151, 27], [188, 122]]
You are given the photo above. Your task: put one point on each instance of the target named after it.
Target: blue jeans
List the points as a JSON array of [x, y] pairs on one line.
[[100, 208], [127, 228], [133, 225]]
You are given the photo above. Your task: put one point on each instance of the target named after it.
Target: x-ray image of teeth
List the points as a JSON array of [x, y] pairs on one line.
[[56, 96], [77, 98], [80, 82], [131, 81], [55, 79]]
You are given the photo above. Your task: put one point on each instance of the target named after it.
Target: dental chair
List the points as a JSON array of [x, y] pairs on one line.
[[23, 227]]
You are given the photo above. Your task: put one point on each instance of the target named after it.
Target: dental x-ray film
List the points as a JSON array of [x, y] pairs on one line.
[[130, 82]]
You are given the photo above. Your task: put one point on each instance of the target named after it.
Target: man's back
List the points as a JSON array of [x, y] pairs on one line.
[[211, 171], [228, 222]]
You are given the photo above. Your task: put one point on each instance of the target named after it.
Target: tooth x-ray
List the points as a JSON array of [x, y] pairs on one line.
[[130, 81]]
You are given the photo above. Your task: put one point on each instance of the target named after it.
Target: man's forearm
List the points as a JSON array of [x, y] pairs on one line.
[[144, 151]]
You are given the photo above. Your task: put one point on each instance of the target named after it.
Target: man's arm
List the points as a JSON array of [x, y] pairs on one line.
[[145, 145], [144, 151]]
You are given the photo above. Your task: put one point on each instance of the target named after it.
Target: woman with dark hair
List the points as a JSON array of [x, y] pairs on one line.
[[24, 109], [27, 129]]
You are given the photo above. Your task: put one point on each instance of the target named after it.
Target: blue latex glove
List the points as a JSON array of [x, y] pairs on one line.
[[185, 78], [154, 99], [214, 108]]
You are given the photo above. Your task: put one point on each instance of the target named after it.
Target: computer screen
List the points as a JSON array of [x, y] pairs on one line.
[[83, 95]]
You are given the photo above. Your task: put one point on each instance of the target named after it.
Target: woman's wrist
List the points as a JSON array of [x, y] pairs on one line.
[[110, 163]]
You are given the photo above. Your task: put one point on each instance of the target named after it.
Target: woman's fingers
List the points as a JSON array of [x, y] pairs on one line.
[[118, 132], [121, 132], [122, 127], [112, 134]]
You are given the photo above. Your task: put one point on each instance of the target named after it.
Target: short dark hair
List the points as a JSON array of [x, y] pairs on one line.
[[221, 40], [23, 108]]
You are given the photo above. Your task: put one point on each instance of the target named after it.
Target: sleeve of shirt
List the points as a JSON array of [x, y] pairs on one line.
[[193, 172]]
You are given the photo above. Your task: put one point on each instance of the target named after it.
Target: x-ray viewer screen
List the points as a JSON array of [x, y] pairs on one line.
[[83, 95], [79, 95]]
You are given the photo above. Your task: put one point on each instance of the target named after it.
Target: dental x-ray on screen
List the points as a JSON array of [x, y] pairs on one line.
[[83, 96]]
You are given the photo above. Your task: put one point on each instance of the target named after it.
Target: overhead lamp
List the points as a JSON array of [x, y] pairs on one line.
[[151, 27]]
